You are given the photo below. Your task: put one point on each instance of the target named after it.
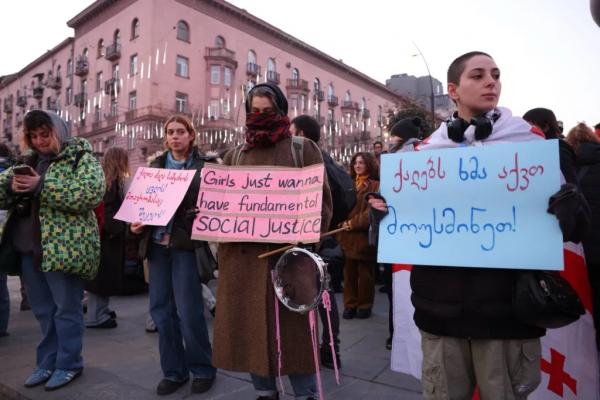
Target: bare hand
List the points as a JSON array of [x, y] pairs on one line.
[[378, 204], [25, 183], [137, 227]]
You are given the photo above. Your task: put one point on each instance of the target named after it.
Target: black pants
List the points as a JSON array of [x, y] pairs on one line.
[[388, 285], [335, 322]]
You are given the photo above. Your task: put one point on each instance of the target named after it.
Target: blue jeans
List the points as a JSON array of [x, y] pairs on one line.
[[4, 305], [177, 307], [304, 385], [55, 299]]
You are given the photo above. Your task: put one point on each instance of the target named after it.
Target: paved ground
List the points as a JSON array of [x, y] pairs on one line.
[[123, 363]]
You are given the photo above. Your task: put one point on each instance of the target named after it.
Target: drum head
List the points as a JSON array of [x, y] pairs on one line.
[[299, 279]]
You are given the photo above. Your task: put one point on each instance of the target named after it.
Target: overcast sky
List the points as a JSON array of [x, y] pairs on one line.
[[548, 50]]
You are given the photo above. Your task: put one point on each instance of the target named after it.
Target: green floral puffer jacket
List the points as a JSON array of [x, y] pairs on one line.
[[73, 186]]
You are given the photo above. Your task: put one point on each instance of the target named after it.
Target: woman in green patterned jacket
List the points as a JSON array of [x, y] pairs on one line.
[[53, 232]]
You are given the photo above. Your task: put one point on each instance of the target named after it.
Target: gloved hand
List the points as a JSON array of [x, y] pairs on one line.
[[572, 211]]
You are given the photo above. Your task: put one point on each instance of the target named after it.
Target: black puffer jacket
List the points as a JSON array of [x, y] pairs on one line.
[[588, 166], [474, 302], [184, 216]]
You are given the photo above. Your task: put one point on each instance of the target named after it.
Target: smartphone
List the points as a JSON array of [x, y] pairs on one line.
[[23, 170]]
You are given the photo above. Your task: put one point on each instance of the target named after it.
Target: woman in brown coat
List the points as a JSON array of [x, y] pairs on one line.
[[244, 334], [359, 283]]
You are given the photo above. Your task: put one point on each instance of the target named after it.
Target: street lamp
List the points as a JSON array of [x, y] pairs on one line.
[[430, 82]]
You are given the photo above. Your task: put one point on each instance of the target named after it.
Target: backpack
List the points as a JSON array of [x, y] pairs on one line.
[[342, 188], [297, 148]]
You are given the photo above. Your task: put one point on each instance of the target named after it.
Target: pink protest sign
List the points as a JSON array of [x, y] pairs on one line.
[[259, 204], [154, 195]]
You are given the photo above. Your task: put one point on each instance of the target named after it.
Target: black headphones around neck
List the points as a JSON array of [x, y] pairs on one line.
[[483, 126]]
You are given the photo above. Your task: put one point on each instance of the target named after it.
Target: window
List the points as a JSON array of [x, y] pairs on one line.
[[133, 65], [271, 66], [69, 95], [294, 103], [215, 74], [132, 100], [226, 106], [117, 37], [114, 107], [181, 100], [183, 31], [330, 91], [69, 66], [130, 140], [251, 57], [115, 71], [214, 109], [135, 28], [303, 105], [100, 49], [182, 67], [85, 53], [227, 76], [348, 96], [84, 86], [219, 41], [249, 85], [317, 84], [58, 71], [295, 74], [363, 104], [97, 113], [99, 81]]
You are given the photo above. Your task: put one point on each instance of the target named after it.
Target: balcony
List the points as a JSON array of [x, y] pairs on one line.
[[8, 133], [349, 106], [298, 84], [112, 87], [82, 66], [222, 54], [332, 101], [273, 77], [319, 95], [38, 92], [54, 83], [19, 120], [96, 125], [252, 69], [365, 135], [380, 120], [21, 101], [80, 99], [366, 114], [113, 52], [130, 115]]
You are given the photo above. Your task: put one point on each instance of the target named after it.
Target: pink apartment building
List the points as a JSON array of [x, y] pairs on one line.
[[131, 63]]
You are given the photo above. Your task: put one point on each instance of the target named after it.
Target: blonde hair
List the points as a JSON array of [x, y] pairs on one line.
[[25, 143], [115, 165], [581, 133], [187, 123]]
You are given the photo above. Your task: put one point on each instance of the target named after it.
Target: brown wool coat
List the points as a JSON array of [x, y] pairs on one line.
[[355, 242], [244, 333]]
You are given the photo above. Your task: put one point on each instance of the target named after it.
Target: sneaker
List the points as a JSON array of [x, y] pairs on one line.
[[150, 326], [112, 314], [168, 386], [60, 378], [37, 377], [327, 359], [363, 313], [201, 385], [108, 324], [349, 313]]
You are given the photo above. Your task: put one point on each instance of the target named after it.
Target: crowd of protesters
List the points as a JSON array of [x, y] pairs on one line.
[[59, 234]]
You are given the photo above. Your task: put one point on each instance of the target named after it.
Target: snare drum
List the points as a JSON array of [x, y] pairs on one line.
[[299, 278]]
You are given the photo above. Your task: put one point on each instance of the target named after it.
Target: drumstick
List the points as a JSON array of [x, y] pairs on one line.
[[286, 248]]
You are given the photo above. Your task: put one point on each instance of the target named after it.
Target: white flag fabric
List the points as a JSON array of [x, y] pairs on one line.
[[569, 358]]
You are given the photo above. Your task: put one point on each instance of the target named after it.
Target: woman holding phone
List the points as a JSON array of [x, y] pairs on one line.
[[176, 303], [51, 199]]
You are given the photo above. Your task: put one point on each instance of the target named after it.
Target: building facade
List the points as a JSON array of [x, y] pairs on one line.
[[419, 89], [132, 63]]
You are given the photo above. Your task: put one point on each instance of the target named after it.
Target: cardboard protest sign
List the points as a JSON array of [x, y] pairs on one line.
[[472, 207], [259, 204], [154, 195]]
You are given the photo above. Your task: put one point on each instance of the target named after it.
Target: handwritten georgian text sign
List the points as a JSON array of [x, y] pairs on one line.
[[259, 204], [154, 195], [472, 207]]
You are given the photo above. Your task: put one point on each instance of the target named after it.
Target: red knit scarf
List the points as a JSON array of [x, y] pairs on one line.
[[265, 129]]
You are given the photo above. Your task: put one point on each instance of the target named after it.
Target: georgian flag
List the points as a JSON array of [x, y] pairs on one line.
[[569, 359]]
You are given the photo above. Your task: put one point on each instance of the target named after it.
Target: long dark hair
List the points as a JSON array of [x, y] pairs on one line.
[[115, 165], [370, 163]]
